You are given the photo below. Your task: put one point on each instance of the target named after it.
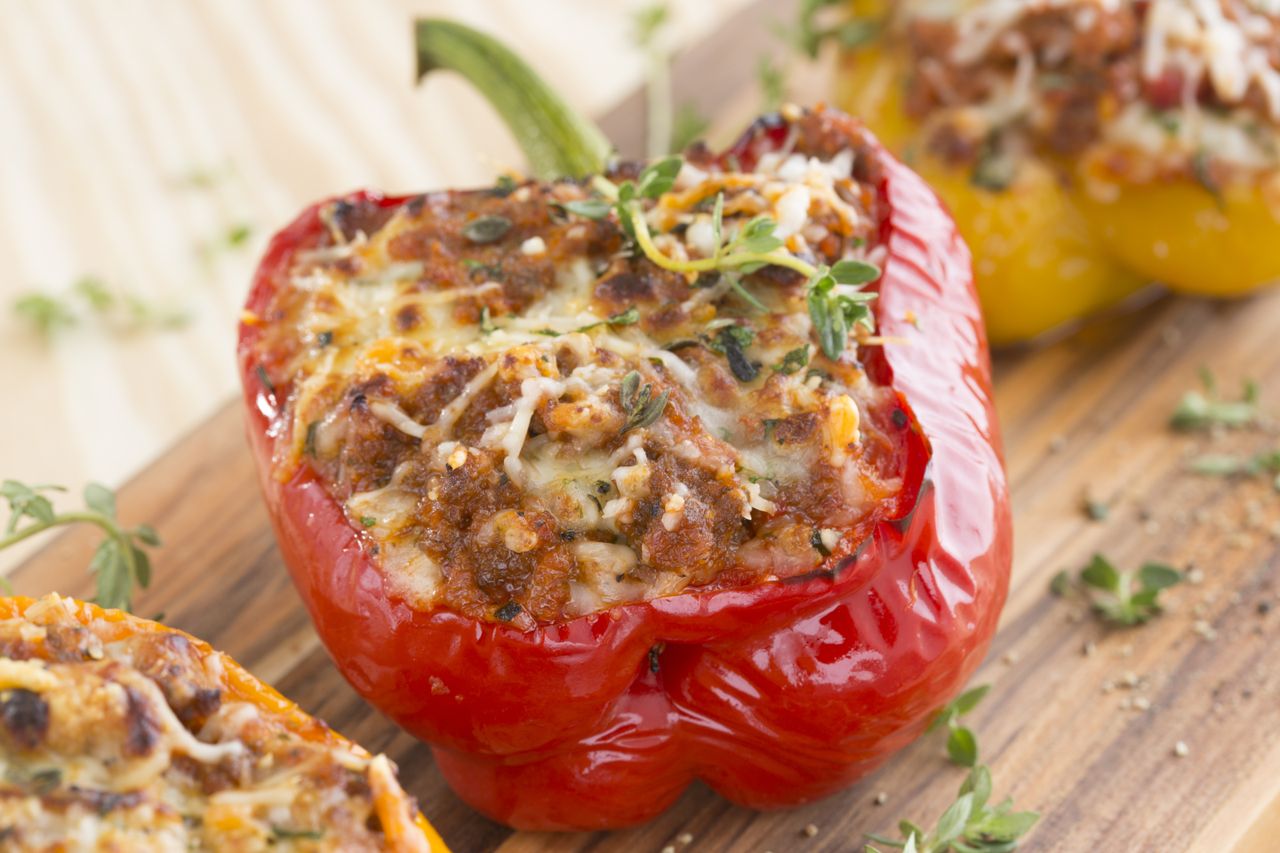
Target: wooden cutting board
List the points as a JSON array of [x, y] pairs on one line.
[[1083, 417]]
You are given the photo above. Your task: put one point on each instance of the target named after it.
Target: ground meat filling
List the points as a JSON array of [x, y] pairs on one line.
[[1192, 86], [115, 735], [527, 419]]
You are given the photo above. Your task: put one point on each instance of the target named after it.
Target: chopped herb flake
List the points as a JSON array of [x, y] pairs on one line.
[[486, 229], [507, 612], [264, 379], [793, 362], [309, 443]]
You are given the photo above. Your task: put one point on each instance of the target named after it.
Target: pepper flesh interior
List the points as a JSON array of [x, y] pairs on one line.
[[477, 377]]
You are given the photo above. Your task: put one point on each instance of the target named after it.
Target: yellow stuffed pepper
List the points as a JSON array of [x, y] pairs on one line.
[[1086, 147]]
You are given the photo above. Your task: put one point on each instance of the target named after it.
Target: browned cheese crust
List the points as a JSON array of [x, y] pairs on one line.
[[454, 368], [118, 734]]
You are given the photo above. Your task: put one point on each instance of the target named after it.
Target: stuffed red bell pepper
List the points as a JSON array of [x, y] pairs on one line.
[[604, 485]]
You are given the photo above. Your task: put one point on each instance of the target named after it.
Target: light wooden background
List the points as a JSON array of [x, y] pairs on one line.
[[108, 106]]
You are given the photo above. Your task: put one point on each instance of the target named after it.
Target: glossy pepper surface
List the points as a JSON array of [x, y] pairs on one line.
[[1069, 236], [775, 694]]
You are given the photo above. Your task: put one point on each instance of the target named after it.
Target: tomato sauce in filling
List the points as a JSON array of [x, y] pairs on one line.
[[528, 419]]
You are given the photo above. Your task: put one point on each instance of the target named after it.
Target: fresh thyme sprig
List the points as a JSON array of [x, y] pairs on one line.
[[835, 304], [119, 561], [1199, 411], [969, 825], [1124, 598], [962, 745]]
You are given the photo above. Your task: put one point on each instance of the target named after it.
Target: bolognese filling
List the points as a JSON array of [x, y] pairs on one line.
[[114, 737], [543, 400], [1147, 89]]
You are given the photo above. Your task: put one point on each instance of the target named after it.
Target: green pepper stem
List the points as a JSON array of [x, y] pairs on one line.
[[558, 141]]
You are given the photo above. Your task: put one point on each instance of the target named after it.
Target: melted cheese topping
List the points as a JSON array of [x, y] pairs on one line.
[[1206, 78], [117, 735], [461, 394]]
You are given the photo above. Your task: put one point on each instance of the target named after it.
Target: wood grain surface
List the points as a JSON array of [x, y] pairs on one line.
[[1083, 418]]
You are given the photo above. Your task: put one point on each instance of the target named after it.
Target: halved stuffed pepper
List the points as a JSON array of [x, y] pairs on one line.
[[1086, 147], [117, 733], [604, 484]]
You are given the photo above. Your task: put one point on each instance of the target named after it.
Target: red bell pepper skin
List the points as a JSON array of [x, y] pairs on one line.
[[774, 695]]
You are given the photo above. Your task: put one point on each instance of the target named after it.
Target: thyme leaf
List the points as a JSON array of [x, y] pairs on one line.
[[486, 229], [638, 402], [1121, 598], [962, 744], [794, 361], [118, 564], [969, 825]]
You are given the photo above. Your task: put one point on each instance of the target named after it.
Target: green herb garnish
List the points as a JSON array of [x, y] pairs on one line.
[[265, 379], [962, 746], [1123, 598], [793, 362], [996, 168], [507, 612], [1096, 510], [309, 443], [1202, 171], [237, 235], [689, 126], [834, 313], [486, 322], [48, 313], [638, 402], [486, 229], [119, 561], [504, 186], [732, 342], [629, 317], [589, 208], [850, 31], [969, 825], [232, 238], [773, 83], [44, 312], [1198, 411], [1224, 465], [492, 272], [835, 305], [284, 833], [815, 538]]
